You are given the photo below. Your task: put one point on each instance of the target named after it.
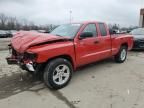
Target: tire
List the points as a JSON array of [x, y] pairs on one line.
[[122, 55], [58, 73]]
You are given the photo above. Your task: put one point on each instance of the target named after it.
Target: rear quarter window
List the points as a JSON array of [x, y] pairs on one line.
[[102, 29]]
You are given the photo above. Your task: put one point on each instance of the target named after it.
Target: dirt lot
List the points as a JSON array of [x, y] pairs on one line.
[[104, 84]]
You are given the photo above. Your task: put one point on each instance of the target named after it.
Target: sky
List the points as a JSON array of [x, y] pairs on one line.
[[123, 12]]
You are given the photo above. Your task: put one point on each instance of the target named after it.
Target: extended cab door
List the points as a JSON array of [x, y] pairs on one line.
[[105, 41], [88, 48]]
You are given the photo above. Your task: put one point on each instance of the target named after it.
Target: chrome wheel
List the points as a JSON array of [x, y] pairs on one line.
[[61, 74], [123, 54]]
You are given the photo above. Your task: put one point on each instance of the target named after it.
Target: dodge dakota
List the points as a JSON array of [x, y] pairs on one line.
[[58, 54]]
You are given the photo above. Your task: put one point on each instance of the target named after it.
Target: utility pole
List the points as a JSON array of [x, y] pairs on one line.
[[70, 16]]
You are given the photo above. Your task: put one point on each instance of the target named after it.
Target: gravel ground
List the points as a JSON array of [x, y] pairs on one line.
[[4, 43], [105, 84]]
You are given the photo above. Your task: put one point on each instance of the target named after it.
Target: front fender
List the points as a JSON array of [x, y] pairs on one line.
[[46, 52]]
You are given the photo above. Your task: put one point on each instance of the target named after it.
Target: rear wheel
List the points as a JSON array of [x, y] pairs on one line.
[[122, 55], [58, 73]]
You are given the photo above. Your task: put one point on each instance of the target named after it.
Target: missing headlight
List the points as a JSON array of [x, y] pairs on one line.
[[30, 56]]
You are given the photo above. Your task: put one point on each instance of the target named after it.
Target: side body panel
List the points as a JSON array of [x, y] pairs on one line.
[[92, 49], [118, 40]]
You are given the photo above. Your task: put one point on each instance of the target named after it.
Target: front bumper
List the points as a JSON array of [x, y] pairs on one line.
[[11, 61], [25, 66], [138, 44]]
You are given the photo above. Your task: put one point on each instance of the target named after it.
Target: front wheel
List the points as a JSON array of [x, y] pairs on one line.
[[58, 73], [122, 55]]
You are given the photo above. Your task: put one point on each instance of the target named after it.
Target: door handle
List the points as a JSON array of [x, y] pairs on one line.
[[96, 42]]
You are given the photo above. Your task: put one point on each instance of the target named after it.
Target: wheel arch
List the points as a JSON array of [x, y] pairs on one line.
[[124, 44], [65, 56]]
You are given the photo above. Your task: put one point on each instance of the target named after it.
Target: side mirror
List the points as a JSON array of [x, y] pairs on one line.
[[86, 35]]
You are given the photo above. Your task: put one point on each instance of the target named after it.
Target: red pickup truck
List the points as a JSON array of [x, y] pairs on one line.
[[57, 54]]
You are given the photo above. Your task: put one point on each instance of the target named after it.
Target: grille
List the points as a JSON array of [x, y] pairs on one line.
[[141, 40]]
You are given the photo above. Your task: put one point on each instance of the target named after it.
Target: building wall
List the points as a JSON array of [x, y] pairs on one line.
[[141, 21]]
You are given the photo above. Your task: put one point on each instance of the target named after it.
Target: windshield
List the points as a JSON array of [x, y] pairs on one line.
[[68, 30], [139, 31]]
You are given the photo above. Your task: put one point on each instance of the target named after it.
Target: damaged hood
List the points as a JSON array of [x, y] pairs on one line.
[[23, 40]]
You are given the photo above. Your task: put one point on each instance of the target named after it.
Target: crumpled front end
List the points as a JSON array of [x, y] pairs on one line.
[[25, 60], [20, 44]]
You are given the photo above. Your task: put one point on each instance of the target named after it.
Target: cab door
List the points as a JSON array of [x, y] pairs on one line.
[[87, 48]]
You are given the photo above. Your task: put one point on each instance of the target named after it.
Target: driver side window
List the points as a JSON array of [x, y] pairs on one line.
[[91, 28]]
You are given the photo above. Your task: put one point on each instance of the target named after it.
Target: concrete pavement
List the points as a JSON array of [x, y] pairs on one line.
[[104, 84]]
